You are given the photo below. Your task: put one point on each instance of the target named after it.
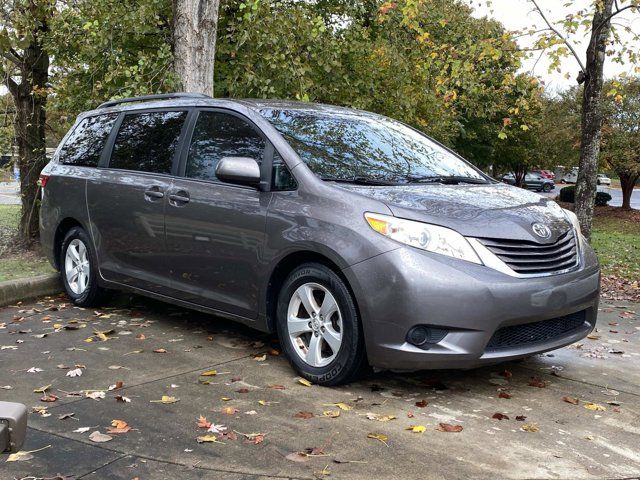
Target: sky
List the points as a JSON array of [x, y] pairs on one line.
[[519, 14]]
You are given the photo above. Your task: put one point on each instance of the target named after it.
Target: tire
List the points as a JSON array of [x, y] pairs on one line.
[[598, 182], [546, 187], [83, 287], [321, 365]]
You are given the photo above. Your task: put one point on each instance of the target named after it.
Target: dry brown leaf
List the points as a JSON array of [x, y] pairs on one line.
[[571, 400], [203, 422], [445, 427], [422, 404], [304, 415], [500, 416], [530, 427]]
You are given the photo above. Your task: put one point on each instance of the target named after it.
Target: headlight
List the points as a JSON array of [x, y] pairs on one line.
[[424, 236], [576, 224]]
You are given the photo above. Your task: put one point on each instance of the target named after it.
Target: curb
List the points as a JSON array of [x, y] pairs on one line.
[[13, 291]]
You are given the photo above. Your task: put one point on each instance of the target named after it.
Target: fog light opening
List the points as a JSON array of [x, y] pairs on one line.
[[423, 335]]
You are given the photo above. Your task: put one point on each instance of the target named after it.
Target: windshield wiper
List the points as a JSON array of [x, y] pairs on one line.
[[359, 181], [447, 179]]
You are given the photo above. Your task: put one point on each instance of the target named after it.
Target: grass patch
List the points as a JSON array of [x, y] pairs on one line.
[[616, 240], [15, 263]]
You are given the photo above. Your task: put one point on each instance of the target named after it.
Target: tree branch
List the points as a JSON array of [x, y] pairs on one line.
[[560, 36], [12, 58]]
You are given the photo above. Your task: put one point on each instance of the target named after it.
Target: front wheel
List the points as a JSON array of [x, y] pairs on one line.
[[319, 326], [78, 269], [546, 187]]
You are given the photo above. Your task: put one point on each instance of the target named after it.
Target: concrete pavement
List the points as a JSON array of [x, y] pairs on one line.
[[158, 350]]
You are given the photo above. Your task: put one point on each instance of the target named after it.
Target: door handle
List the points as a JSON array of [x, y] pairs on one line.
[[179, 198], [153, 193]]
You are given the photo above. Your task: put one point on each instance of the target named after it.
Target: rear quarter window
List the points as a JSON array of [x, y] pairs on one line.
[[84, 145]]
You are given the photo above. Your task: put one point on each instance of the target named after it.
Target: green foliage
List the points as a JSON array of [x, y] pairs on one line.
[[620, 132], [110, 49]]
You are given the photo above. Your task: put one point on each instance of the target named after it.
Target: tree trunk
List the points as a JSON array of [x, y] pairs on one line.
[[627, 183], [519, 174], [591, 132], [30, 99], [194, 43]]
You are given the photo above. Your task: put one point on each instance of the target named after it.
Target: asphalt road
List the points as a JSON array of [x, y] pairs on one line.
[[279, 428]]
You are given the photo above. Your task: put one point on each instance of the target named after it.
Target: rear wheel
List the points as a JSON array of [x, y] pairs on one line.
[[319, 326], [546, 187], [78, 269]]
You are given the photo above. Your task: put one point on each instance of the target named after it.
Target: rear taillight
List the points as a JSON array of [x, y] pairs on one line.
[[42, 181]]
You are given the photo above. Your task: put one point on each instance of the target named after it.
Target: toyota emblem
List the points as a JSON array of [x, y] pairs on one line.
[[541, 230]]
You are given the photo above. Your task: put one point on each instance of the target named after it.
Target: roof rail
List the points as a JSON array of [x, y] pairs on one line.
[[147, 98]]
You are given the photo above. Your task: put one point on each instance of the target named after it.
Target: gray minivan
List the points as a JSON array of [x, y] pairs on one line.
[[359, 240]]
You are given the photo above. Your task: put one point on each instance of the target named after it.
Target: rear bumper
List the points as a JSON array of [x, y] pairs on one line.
[[406, 287]]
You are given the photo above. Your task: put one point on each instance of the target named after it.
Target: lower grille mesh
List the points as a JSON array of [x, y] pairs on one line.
[[530, 333]]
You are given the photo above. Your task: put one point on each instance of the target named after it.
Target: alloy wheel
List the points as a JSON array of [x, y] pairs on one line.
[[76, 266], [314, 324]]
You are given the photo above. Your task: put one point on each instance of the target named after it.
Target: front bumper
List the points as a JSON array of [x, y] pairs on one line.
[[406, 287]]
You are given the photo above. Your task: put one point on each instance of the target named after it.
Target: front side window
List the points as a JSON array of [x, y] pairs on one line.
[[359, 145], [218, 135], [84, 145], [147, 142]]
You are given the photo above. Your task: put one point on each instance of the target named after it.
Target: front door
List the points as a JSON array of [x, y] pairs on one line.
[[128, 198], [214, 230]]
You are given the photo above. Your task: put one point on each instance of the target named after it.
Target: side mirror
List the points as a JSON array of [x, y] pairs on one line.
[[239, 170], [13, 426]]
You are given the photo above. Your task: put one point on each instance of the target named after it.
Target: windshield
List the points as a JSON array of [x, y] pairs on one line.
[[363, 146]]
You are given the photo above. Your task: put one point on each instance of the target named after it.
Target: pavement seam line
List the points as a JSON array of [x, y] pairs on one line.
[[124, 455], [579, 381], [208, 366], [168, 462]]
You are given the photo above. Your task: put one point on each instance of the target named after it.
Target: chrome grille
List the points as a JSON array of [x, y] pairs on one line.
[[531, 258]]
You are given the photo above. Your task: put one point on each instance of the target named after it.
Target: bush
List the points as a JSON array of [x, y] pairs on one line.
[[568, 195], [602, 198]]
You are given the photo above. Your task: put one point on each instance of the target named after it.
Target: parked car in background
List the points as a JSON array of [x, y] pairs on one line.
[[532, 182], [353, 237], [545, 173], [603, 179], [570, 177]]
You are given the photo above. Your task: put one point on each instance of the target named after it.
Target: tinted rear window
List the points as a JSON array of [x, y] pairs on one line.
[[147, 142], [84, 145]]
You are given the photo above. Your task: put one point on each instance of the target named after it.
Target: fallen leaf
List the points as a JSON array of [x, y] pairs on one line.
[[343, 406], [49, 398], [77, 372], [304, 415], [380, 418], [504, 395], [265, 403], [122, 398], [35, 370], [203, 422], [116, 386], [500, 416], [242, 390], [254, 438], [159, 350], [331, 413], [530, 427], [305, 382], [97, 395], [118, 426], [99, 437], [445, 427], [594, 407], [297, 457], [24, 455], [381, 437], [230, 410], [213, 428], [166, 399], [422, 403], [64, 416], [82, 430], [260, 358], [208, 439], [277, 387], [417, 428], [42, 389], [209, 373], [537, 382], [521, 418], [571, 400]]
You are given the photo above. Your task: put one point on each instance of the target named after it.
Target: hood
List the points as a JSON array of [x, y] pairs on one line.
[[485, 211]]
